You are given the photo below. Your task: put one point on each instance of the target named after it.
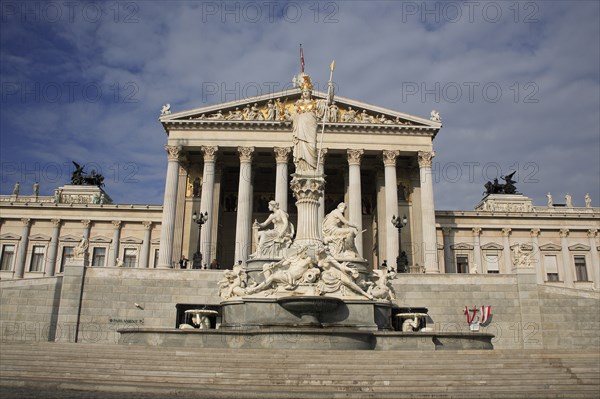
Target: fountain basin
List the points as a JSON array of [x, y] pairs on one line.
[[309, 308]]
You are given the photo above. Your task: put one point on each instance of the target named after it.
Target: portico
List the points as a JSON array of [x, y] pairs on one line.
[[242, 160]]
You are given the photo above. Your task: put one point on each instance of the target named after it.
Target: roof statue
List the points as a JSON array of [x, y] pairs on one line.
[[79, 178], [496, 188]]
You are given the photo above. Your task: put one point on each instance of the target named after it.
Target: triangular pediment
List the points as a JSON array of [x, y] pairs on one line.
[[131, 240], [101, 239], [10, 236], [492, 246], [39, 237], [156, 241], [255, 110], [462, 245], [550, 247], [70, 238], [579, 247]]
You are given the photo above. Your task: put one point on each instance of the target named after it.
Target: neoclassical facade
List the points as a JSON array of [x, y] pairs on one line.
[[229, 160]]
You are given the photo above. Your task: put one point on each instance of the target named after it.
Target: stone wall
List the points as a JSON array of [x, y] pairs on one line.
[[524, 314]]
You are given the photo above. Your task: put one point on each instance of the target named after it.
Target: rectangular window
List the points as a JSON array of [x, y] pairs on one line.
[[99, 256], [156, 258], [493, 263], [67, 254], [8, 254], [580, 269], [551, 267], [129, 257], [462, 264], [37, 259]]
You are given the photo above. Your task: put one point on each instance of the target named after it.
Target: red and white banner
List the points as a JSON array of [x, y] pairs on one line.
[[470, 316], [486, 311]]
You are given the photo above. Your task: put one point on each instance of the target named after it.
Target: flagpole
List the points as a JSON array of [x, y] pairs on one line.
[[329, 97]]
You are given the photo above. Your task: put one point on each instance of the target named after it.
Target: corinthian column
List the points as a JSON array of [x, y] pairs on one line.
[[391, 203], [537, 258], [114, 254], [354, 194], [592, 233], [206, 201], [243, 231], [165, 254], [478, 267], [145, 255], [506, 251], [566, 259], [20, 263], [52, 251], [281, 178], [428, 212]]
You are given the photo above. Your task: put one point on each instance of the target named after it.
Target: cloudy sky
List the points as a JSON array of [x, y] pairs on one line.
[[517, 83]]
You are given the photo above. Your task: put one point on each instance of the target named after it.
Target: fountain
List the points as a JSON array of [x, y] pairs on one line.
[[311, 291]]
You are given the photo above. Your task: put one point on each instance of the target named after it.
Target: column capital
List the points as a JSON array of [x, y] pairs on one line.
[[535, 232], [425, 158], [281, 154], [147, 224], [476, 231], [591, 233], [564, 233], [173, 152], [354, 156], [86, 223], [506, 231], [246, 153], [56, 222], [210, 153], [446, 231], [26, 221], [389, 157], [117, 223]]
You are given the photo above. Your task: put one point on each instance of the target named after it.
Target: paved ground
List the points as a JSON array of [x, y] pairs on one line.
[[33, 393]]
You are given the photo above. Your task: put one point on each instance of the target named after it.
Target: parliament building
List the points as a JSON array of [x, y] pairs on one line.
[[538, 267]]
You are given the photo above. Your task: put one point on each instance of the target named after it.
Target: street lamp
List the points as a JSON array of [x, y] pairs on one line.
[[401, 260], [200, 219]]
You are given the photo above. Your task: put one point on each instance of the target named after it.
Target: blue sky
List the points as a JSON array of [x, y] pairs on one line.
[[517, 83]]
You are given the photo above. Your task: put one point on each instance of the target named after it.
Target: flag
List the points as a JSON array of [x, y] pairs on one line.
[[485, 313], [470, 317], [301, 59]]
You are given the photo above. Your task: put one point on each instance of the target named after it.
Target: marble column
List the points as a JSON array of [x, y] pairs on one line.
[[536, 256], [53, 249], [321, 172], [243, 231], [507, 260], [281, 176], [355, 196], [568, 269], [429, 244], [167, 228], [391, 204], [145, 255], [477, 266], [207, 202], [449, 266], [87, 226], [22, 256], [595, 272], [114, 253]]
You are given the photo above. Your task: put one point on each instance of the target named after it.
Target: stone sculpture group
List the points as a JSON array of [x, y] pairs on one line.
[[319, 260]]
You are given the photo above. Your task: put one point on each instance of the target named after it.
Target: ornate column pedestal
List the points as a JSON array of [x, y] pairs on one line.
[[307, 190]]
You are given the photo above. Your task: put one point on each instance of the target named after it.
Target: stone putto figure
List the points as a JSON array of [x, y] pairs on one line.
[[382, 288], [550, 202], [271, 243], [336, 276], [233, 283], [16, 189], [306, 113], [339, 234], [288, 272], [36, 189]]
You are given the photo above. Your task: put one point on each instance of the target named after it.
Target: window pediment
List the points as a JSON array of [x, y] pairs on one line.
[[462, 245], [492, 246], [579, 247], [550, 247]]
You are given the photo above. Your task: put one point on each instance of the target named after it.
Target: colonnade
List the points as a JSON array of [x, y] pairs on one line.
[[243, 234]]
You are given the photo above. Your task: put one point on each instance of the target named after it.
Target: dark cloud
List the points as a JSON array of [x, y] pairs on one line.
[[113, 71]]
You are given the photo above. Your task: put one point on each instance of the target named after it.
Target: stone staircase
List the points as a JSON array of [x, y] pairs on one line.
[[236, 373]]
